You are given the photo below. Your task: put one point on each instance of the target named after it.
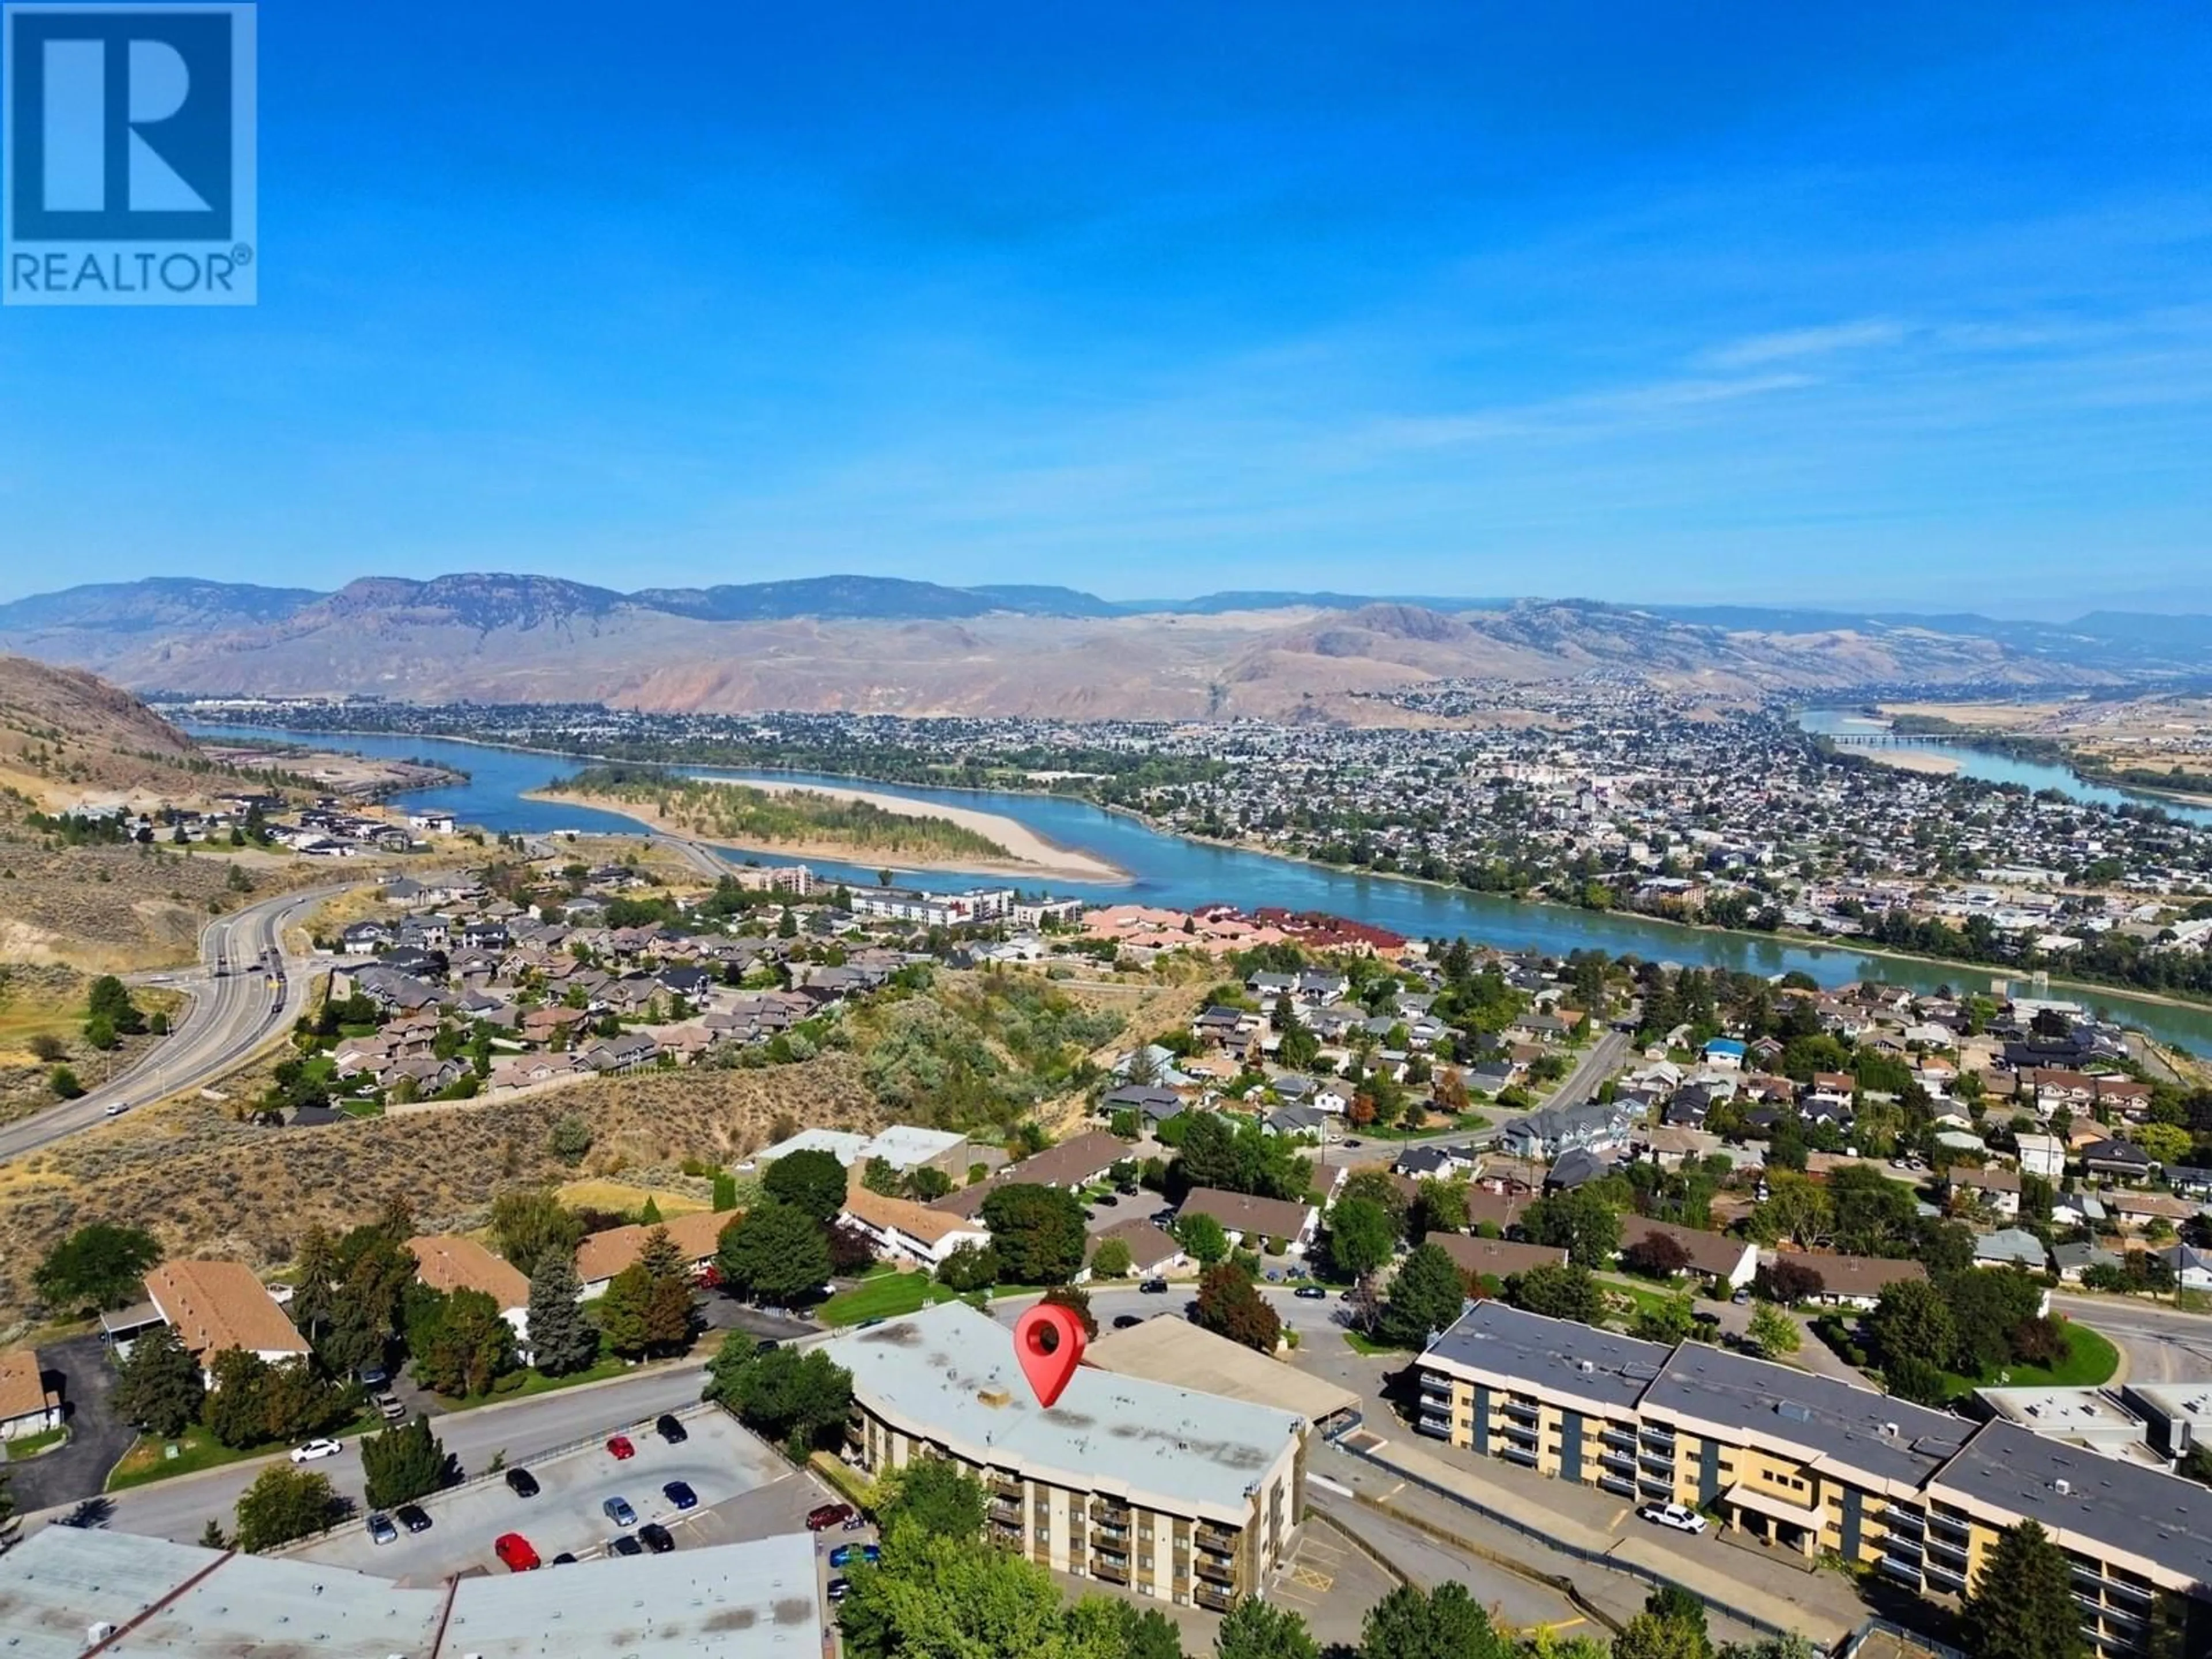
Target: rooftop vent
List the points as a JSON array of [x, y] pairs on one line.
[[995, 1398], [2063, 1487]]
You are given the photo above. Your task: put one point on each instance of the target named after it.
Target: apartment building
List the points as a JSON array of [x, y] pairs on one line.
[[1190, 1497], [1819, 1466]]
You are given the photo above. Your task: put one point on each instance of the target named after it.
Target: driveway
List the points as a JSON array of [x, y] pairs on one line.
[[726, 1313], [79, 1369]]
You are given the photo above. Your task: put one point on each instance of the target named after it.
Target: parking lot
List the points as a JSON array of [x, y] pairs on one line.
[[744, 1491]]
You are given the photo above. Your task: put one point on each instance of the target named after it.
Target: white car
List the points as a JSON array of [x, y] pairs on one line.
[[315, 1449], [116, 1108], [1679, 1516]]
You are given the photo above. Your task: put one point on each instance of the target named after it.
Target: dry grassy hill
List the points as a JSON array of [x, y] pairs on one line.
[[67, 736]]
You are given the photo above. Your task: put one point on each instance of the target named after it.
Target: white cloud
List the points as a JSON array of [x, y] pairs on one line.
[[1792, 343]]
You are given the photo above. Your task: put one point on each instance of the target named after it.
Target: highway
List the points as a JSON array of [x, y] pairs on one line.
[[225, 1019]]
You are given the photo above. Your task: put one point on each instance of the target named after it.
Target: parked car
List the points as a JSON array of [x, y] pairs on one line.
[[1350, 1140], [1123, 1322], [840, 1588], [855, 1522], [515, 1553], [841, 1557], [623, 1544], [656, 1538], [617, 1509], [372, 1376], [390, 1409], [621, 1447], [1311, 1293], [1680, 1516], [380, 1529], [413, 1517], [1742, 1296], [522, 1483], [1154, 1287], [825, 1515], [679, 1493], [1128, 1188], [670, 1430], [314, 1449], [564, 1559]]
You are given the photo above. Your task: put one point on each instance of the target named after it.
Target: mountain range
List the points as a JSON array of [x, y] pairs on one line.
[[895, 646]]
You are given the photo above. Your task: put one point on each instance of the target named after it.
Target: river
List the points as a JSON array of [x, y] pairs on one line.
[[1990, 765], [1169, 870]]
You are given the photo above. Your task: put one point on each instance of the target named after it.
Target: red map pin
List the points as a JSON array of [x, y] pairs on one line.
[[1048, 1341]]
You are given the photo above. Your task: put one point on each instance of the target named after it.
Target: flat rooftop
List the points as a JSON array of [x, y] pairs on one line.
[[2122, 1506], [949, 1374], [2063, 1411], [1555, 1354], [1834, 1419], [1171, 1350], [756, 1600]]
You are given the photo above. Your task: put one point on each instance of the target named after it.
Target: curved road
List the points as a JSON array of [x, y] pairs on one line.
[[225, 1020]]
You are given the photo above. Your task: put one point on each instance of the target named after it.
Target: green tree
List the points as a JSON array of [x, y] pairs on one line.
[[1441, 1208], [1111, 1260], [1425, 1297], [529, 1224], [283, 1504], [786, 1396], [1672, 1319], [1378, 1186], [404, 1463], [936, 1597], [1077, 1301], [98, 1265], [1445, 1623], [2022, 1602], [1910, 1318], [1230, 1305], [464, 1346], [1650, 1636], [811, 1182], [315, 1284], [1148, 1633], [1361, 1236], [63, 1083], [1579, 1222], [1202, 1239], [933, 1494], [968, 1267], [1561, 1291], [159, 1387], [1254, 1629], [109, 1000], [1039, 1232], [561, 1340], [1773, 1332], [774, 1253], [737, 1350], [570, 1138]]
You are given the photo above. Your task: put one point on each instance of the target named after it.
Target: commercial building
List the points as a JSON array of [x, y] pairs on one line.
[[1169, 1349], [2177, 1416], [1819, 1466], [1189, 1497]]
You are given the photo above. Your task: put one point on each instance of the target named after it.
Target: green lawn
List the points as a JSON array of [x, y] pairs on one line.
[[888, 1295], [31, 1445], [197, 1450], [1359, 1344], [2090, 1359], [537, 1383]]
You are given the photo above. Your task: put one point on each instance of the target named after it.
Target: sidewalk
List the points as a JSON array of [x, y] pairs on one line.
[[1779, 1595]]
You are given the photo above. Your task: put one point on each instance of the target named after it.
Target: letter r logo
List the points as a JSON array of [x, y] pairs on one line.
[[120, 124]]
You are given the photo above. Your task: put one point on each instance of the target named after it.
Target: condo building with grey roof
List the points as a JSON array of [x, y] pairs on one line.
[[1192, 1498]]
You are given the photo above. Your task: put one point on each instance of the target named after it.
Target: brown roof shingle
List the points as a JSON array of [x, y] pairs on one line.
[[604, 1254], [446, 1263], [22, 1387], [219, 1305]]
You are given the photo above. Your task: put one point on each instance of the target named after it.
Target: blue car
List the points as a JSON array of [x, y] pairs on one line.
[[679, 1493], [842, 1555]]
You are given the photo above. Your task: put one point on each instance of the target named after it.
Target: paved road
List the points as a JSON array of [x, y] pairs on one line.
[[1598, 1062], [2161, 1344], [1602, 1059], [523, 1429], [226, 1019]]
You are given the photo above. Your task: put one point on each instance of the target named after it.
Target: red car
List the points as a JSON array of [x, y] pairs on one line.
[[515, 1553], [620, 1446], [828, 1515]]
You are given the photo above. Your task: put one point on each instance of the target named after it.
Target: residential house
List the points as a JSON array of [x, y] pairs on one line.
[[1076, 1162], [2042, 1155], [1495, 1260], [1154, 1252], [2010, 1246], [601, 1255], [903, 1230], [1714, 1257], [217, 1306], [2116, 1160], [448, 1262], [1592, 1127], [27, 1406], [1992, 1188], [1258, 1220], [1851, 1281]]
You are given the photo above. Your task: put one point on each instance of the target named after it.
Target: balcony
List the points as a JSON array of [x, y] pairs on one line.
[[1210, 1537], [1523, 1432], [1216, 1600], [1623, 1438], [1656, 1463], [1111, 1534], [1526, 1409], [1904, 1523], [1003, 1488], [1216, 1569], [1114, 1569], [1617, 1459], [1657, 1433], [1439, 1427], [1619, 1485], [1109, 1508]]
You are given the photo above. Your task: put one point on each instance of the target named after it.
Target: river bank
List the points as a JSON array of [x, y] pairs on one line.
[[1030, 856]]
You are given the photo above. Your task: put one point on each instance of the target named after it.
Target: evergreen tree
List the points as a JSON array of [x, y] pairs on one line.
[[1254, 1629], [561, 1340], [284, 1504], [1425, 1298], [314, 1291], [404, 1463], [813, 1182], [2022, 1605], [159, 1387], [774, 1253]]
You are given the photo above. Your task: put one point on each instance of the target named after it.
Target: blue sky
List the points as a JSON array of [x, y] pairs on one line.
[[1896, 305]]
